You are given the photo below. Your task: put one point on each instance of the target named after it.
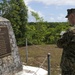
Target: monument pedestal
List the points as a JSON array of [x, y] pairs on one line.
[[10, 62]]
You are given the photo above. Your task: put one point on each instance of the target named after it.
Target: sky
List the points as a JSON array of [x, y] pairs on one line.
[[50, 10]]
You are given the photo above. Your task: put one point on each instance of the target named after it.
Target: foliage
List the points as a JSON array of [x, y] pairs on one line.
[[39, 32], [38, 35], [37, 17], [16, 12], [46, 33]]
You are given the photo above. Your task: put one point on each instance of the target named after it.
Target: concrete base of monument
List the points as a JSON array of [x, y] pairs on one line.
[[29, 70]]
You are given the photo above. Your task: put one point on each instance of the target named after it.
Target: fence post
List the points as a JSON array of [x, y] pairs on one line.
[[26, 51], [48, 56]]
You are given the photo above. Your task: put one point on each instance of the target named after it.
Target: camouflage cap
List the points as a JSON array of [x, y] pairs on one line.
[[69, 11]]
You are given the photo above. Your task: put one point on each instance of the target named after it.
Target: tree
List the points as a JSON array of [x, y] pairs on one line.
[[3, 7], [17, 14], [39, 33], [37, 17]]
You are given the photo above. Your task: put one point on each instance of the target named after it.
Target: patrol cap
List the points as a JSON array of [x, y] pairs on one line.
[[69, 11]]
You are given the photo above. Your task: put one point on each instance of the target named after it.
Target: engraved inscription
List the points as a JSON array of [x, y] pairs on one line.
[[2, 45], [4, 41]]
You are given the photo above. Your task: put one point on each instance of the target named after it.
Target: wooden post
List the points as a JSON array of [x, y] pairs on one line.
[[26, 51], [48, 56]]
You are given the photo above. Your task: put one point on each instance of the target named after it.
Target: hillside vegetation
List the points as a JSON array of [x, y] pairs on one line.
[[39, 33], [44, 32]]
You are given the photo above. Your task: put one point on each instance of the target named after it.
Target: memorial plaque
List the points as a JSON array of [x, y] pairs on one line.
[[4, 41]]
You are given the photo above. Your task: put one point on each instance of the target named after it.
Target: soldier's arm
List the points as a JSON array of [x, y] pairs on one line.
[[65, 40], [62, 42]]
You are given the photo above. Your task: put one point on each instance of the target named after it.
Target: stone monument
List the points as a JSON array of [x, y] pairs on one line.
[[9, 56]]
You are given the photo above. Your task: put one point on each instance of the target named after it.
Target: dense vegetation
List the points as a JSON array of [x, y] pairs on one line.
[[16, 12], [39, 32], [44, 32]]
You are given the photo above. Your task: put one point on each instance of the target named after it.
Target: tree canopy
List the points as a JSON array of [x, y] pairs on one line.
[[16, 12], [39, 32]]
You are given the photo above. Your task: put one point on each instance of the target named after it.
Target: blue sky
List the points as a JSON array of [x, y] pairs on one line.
[[50, 10]]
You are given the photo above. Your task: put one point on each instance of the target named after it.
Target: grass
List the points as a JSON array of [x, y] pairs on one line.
[[38, 53]]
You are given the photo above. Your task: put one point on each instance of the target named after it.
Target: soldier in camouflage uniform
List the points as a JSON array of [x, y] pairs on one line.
[[67, 42]]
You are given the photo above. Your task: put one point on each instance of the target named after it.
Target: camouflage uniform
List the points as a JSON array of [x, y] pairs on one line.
[[67, 42]]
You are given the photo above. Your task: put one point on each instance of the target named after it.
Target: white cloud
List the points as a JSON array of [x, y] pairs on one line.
[[32, 19], [27, 1], [59, 18], [51, 17], [53, 2], [39, 13], [30, 9]]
